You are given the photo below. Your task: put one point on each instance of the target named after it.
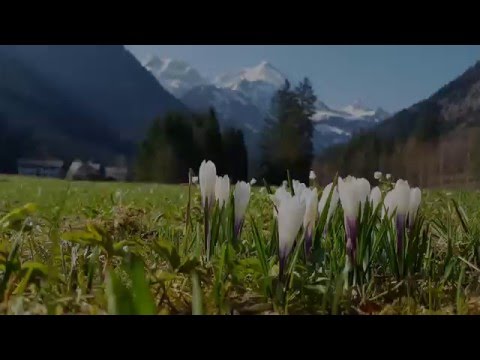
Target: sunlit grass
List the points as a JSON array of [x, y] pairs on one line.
[[98, 248]]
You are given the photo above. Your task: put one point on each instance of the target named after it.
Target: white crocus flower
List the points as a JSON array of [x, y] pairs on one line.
[[298, 187], [291, 212], [403, 202], [388, 176], [312, 175], [375, 197], [310, 198], [222, 190], [333, 202], [207, 177], [195, 179], [377, 175], [353, 194], [253, 181], [242, 197], [276, 198]]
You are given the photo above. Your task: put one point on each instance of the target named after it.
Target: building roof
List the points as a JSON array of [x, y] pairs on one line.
[[40, 163]]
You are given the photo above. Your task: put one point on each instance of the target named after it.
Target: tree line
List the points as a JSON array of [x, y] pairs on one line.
[[176, 143]]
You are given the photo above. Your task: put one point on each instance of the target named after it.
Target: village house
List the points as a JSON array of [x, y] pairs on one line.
[[43, 168], [116, 173], [80, 170]]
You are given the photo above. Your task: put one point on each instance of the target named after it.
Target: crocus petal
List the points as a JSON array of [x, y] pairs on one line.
[[207, 177], [402, 197], [348, 197], [388, 205], [375, 197], [310, 197], [290, 218], [298, 187], [280, 193], [415, 199], [242, 197], [222, 190]]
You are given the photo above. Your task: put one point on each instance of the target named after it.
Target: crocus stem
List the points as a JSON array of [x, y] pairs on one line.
[[238, 230], [282, 261], [207, 229], [187, 220], [351, 233], [308, 243], [400, 223]]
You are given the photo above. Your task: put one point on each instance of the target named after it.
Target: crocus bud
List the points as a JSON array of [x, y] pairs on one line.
[[310, 198], [253, 181], [298, 187], [415, 199], [375, 197], [222, 190], [195, 179], [242, 197], [291, 212], [377, 175], [388, 176], [207, 177], [353, 194], [276, 198], [397, 201], [312, 175]]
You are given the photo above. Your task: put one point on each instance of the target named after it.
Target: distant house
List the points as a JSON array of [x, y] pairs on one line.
[[116, 173], [84, 171], [43, 168]]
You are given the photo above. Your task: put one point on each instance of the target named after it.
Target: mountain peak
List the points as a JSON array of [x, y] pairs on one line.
[[176, 76], [264, 72]]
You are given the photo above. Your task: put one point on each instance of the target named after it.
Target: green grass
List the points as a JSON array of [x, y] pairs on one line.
[[96, 248]]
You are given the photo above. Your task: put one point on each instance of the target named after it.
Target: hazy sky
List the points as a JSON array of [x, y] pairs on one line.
[[393, 77]]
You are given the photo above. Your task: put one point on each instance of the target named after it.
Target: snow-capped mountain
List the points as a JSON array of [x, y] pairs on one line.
[[337, 126], [176, 76], [233, 108], [242, 99], [353, 112], [257, 83], [264, 72]]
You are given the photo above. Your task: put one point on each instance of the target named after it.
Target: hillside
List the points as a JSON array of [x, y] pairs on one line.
[[78, 101], [414, 141]]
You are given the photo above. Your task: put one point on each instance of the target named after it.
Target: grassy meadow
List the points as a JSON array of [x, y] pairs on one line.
[[112, 248]]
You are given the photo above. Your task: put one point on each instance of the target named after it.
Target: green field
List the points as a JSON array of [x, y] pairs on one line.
[[98, 248]]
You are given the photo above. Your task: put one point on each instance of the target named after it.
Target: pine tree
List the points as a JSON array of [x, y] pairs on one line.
[[235, 154], [287, 137]]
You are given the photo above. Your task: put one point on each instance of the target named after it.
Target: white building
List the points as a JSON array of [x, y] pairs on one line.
[[43, 168]]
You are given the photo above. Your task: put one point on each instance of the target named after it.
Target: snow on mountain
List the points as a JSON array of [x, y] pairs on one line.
[[232, 107], [264, 72], [176, 76], [326, 129], [242, 99], [353, 112], [258, 83]]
